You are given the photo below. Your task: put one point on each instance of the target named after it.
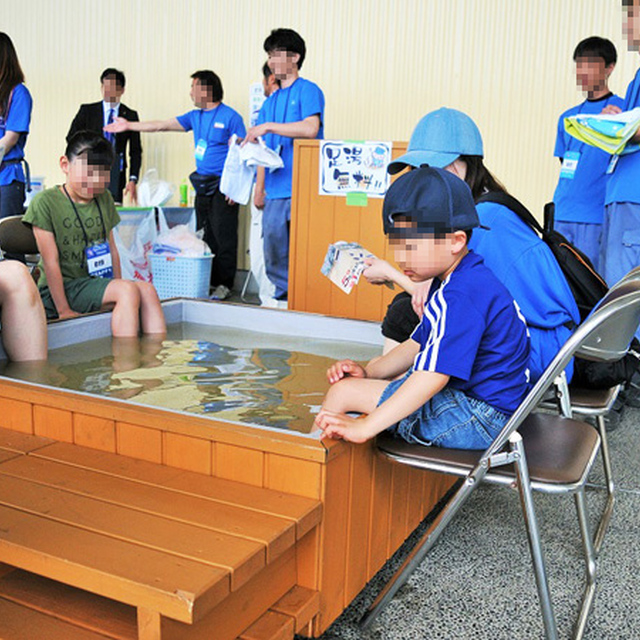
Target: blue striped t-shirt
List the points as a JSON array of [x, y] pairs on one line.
[[473, 331]]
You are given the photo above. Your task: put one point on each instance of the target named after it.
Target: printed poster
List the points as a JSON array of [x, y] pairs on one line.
[[354, 167]]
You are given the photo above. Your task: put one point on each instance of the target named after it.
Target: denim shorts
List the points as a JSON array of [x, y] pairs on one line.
[[450, 419]]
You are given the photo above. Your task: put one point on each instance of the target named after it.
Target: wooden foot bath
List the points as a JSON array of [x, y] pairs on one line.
[[224, 518]]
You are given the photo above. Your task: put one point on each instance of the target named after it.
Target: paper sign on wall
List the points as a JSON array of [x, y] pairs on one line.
[[256, 99], [348, 167]]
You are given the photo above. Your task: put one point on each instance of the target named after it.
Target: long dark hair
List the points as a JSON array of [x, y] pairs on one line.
[[10, 71], [479, 178]]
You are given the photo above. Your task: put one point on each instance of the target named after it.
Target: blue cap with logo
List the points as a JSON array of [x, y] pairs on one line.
[[435, 201], [439, 139]]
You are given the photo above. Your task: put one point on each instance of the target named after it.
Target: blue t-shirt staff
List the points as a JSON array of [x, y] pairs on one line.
[[579, 196], [213, 123], [212, 130], [296, 110], [15, 118], [621, 228]]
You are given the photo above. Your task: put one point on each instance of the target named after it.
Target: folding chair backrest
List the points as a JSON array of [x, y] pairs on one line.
[[610, 340], [16, 237], [604, 335], [632, 276]]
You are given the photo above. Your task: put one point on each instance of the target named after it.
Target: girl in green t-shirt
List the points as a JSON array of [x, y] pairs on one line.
[[80, 266]]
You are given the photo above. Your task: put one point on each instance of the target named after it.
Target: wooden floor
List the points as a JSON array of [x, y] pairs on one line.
[[143, 550]]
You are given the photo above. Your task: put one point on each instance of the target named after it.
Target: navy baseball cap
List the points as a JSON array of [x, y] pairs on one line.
[[435, 200], [439, 139]]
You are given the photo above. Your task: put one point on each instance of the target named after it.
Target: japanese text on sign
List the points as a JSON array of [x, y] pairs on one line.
[[348, 167]]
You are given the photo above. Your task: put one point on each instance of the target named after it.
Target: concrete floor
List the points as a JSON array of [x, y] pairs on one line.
[[478, 583]]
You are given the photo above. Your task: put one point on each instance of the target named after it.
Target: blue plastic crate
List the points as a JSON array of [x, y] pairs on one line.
[[181, 276]]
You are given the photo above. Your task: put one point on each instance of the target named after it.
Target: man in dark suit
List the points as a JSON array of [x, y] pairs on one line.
[[95, 116]]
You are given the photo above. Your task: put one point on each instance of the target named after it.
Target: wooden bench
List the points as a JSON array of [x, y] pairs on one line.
[[111, 547]]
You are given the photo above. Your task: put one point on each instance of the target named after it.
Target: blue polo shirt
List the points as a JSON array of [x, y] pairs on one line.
[[215, 127], [623, 184], [17, 120], [292, 104], [472, 331], [581, 198]]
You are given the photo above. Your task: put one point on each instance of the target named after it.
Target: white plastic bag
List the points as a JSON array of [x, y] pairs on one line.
[[174, 216], [259, 155], [134, 237], [181, 240], [153, 192], [237, 177]]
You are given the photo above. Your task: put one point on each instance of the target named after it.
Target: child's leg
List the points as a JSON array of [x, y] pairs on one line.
[[124, 294], [354, 394], [151, 315], [24, 326]]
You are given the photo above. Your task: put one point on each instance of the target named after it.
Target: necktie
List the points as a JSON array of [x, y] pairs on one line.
[[111, 137]]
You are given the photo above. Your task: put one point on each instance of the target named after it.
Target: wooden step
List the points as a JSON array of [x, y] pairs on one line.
[[301, 604], [175, 587], [18, 442], [21, 623], [270, 626], [78, 608], [239, 557], [304, 512], [124, 548], [290, 615], [276, 534]]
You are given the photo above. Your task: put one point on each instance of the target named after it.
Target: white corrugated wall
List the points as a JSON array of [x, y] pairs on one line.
[[381, 64]]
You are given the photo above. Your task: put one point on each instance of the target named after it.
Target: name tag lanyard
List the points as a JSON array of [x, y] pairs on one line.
[[203, 142], [278, 148], [84, 233]]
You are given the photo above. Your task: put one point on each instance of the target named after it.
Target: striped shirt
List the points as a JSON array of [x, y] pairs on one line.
[[473, 331]]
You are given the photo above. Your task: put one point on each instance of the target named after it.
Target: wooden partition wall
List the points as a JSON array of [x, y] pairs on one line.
[[316, 222]]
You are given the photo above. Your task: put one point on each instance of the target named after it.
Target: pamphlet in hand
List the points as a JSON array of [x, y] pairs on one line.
[[608, 132], [344, 264]]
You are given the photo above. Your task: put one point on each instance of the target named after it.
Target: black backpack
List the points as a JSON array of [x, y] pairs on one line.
[[587, 287]]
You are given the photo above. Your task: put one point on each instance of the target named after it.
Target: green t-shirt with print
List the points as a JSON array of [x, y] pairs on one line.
[[74, 230]]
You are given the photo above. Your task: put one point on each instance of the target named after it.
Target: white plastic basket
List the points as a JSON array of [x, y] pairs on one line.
[[181, 276]]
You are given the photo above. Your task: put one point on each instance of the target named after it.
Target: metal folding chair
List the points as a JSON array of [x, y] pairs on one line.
[[596, 404], [17, 238], [546, 452]]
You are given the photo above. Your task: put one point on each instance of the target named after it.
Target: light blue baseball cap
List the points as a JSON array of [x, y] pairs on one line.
[[439, 139]]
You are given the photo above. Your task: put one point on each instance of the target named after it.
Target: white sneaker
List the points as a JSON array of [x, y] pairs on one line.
[[221, 292]]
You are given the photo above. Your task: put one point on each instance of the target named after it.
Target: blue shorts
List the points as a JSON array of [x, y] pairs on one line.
[[450, 419]]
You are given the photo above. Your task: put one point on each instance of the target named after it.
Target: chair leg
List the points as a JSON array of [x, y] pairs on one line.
[[611, 497], [418, 553], [590, 561], [533, 533], [245, 286]]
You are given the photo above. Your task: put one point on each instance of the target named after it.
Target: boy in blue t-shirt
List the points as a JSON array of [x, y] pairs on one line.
[[579, 196], [620, 250], [213, 123], [468, 357], [296, 110]]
